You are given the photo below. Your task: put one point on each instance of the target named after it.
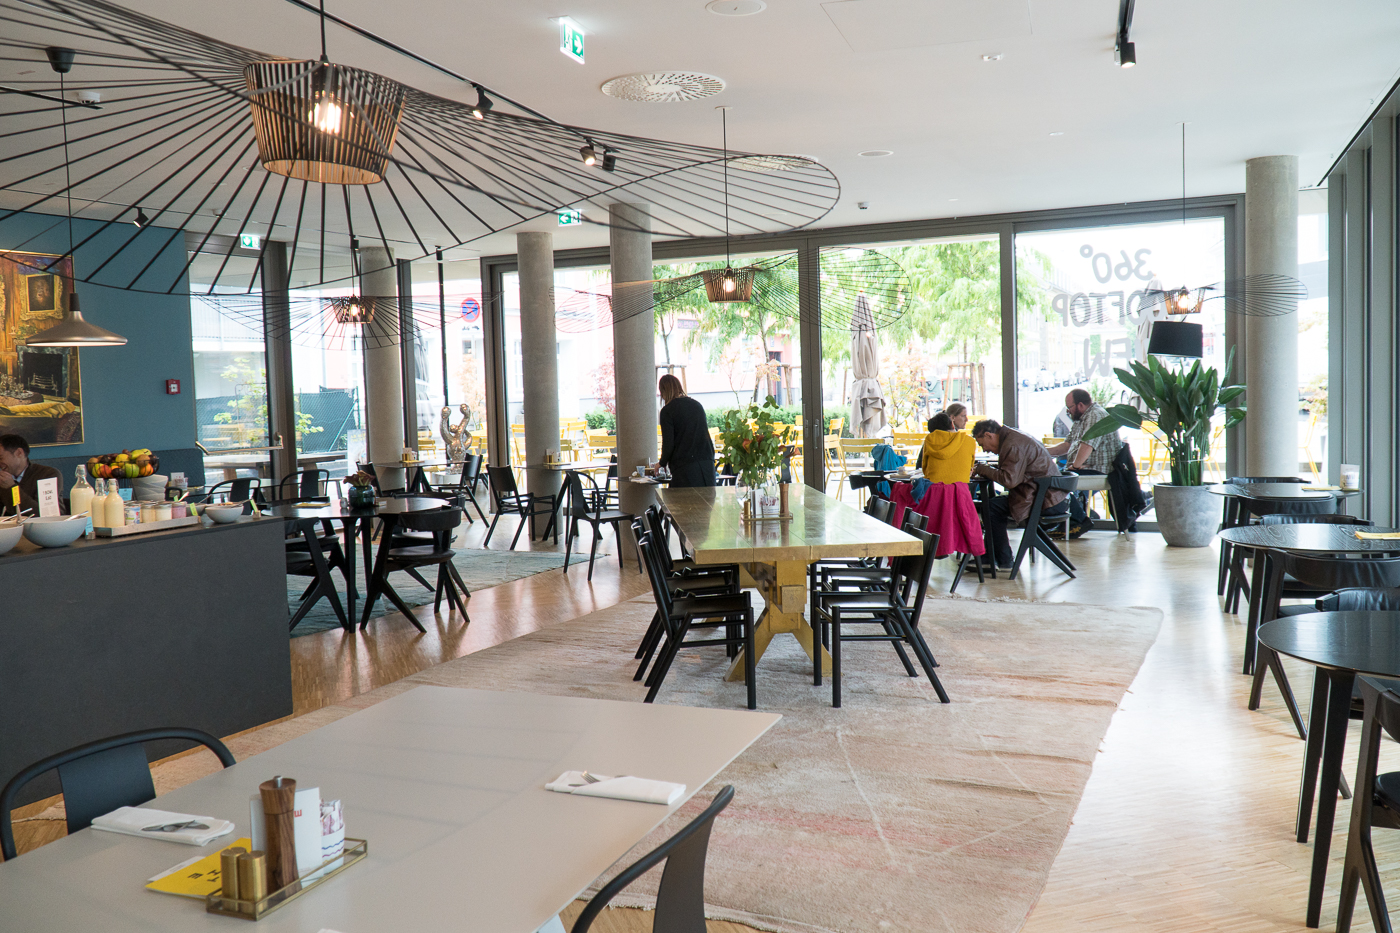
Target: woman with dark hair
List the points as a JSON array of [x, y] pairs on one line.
[[686, 448]]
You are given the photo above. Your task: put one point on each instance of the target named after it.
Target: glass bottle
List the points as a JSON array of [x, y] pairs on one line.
[[116, 505], [81, 496]]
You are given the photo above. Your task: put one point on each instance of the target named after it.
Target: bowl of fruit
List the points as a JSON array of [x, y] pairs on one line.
[[129, 464]]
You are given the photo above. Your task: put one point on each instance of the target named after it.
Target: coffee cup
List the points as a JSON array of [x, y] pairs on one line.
[[641, 471]]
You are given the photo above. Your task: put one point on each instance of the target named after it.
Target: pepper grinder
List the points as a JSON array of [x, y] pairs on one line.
[[278, 800]]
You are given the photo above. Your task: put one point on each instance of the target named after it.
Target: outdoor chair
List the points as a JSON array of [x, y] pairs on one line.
[[586, 506], [511, 501], [884, 601], [733, 614], [100, 777]]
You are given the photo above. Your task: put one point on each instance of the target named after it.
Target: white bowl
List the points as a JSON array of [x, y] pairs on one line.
[[55, 531], [223, 513], [10, 533]]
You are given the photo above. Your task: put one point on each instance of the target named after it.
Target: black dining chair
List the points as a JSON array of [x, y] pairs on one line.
[[586, 507], [234, 490], [311, 483], [511, 501], [1376, 804], [684, 613], [1038, 525], [1275, 511], [894, 607], [314, 555], [390, 557], [1234, 516], [680, 898], [100, 776], [467, 483]]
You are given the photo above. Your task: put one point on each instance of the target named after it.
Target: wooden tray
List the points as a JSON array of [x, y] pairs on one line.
[[145, 527]]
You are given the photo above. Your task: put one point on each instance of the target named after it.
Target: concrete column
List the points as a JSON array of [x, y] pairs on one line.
[[277, 330], [383, 367], [539, 360], [634, 351], [1271, 248]]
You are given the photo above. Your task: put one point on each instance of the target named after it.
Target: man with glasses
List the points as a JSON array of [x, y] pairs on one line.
[[1087, 458]]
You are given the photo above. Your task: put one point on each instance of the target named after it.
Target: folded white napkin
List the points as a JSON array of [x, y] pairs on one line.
[[625, 787], [133, 821]]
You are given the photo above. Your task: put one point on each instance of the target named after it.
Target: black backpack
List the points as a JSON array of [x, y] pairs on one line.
[[1125, 493]]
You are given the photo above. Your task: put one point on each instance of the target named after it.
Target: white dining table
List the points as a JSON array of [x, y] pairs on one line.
[[448, 787]]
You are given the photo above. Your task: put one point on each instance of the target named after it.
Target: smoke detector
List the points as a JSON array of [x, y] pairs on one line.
[[664, 87]]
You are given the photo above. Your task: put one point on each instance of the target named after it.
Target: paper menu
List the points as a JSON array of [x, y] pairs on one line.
[[47, 491], [198, 877], [306, 826]]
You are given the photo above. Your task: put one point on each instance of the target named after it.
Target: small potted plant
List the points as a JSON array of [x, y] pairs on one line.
[[1182, 403], [361, 494], [751, 443]]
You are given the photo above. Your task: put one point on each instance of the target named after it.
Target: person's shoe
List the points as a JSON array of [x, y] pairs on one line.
[[1081, 529]]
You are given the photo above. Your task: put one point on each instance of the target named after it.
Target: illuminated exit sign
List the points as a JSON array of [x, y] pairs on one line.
[[250, 241], [571, 39], [570, 218]]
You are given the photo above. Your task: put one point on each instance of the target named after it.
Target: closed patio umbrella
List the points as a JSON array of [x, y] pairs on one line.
[[867, 404]]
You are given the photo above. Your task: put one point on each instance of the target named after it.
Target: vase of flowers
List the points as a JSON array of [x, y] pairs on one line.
[[361, 493], [751, 443]]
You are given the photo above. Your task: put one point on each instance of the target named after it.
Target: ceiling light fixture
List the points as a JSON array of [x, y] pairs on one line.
[[876, 153], [609, 160], [141, 218], [321, 122], [353, 309], [588, 154], [483, 103], [992, 58], [736, 7], [1124, 52], [72, 331], [729, 284]]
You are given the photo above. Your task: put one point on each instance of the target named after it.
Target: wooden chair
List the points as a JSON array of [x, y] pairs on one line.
[[510, 500], [439, 523], [234, 490], [311, 555], [100, 777], [1036, 537], [586, 506], [1376, 803], [311, 483]]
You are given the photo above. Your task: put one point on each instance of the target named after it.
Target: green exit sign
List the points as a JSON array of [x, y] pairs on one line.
[[570, 218], [249, 241], [571, 39]]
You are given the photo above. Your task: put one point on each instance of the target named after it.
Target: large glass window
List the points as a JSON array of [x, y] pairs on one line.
[[1084, 295], [454, 379], [1312, 335]]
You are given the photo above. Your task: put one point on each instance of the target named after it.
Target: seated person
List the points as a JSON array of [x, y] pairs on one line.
[[947, 454], [17, 471], [958, 413], [1093, 457], [1020, 459]]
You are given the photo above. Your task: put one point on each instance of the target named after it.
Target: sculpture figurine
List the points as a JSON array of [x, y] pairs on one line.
[[452, 437]]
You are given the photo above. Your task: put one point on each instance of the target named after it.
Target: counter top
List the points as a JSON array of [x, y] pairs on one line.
[[28, 550]]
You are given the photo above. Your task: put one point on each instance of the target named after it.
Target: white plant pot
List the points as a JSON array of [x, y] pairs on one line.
[[1187, 516]]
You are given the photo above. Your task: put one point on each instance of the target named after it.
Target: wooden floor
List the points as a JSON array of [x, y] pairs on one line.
[[1186, 823]]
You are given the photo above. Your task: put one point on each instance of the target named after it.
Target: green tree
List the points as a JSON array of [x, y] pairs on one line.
[[247, 414]]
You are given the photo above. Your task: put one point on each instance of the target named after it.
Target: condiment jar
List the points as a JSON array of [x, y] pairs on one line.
[[135, 514], [163, 512]]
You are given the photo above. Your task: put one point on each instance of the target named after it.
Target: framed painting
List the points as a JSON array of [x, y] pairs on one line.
[[41, 394]]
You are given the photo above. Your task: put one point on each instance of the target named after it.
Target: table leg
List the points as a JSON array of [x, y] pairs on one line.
[[1253, 611], [1333, 744], [783, 585], [351, 591], [1312, 754]]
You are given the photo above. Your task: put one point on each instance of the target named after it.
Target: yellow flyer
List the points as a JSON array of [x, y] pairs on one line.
[[198, 877]]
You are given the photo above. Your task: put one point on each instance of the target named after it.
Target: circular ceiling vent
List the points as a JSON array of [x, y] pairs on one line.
[[736, 7], [664, 87], [876, 153], [772, 163]]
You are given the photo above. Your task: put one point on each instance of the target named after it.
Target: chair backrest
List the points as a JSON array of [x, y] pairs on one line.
[[471, 470], [502, 481], [99, 777], [914, 519], [660, 591], [234, 490], [882, 509], [1334, 573], [1246, 480], [1284, 518], [656, 526], [303, 484], [582, 502], [680, 899], [912, 571], [431, 520], [1361, 599]]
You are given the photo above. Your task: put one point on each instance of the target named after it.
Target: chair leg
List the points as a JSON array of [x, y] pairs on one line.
[[403, 607], [413, 572], [648, 646], [1268, 659], [750, 675], [524, 520], [457, 578], [569, 540], [437, 591], [836, 656], [492, 530], [663, 663], [593, 550], [925, 655]]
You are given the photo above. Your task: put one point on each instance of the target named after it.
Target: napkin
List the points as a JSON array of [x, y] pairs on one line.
[[1378, 535], [132, 821], [625, 787]]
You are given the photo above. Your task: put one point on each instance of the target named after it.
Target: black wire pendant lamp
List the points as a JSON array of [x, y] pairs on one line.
[[73, 330], [321, 122], [727, 284]]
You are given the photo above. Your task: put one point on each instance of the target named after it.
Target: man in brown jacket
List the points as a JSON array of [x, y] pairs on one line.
[[1020, 459]]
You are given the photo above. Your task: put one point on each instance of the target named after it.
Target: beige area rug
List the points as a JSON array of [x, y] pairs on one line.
[[894, 812]]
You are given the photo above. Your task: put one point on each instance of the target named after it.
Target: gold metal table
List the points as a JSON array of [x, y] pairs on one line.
[[775, 554]]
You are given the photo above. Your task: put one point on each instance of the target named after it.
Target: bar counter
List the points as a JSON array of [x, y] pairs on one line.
[[186, 627]]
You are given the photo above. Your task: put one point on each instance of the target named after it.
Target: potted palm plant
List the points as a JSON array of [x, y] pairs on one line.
[[1182, 403]]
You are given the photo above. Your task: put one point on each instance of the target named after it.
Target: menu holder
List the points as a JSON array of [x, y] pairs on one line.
[[145, 527], [355, 851]]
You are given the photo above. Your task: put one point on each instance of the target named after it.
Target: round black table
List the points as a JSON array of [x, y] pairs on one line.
[[1340, 645], [338, 510]]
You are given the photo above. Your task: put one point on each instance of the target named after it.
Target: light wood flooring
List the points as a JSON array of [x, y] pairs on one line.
[[1186, 823]]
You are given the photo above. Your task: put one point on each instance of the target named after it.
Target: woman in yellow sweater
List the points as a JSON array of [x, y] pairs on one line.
[[947, 454]]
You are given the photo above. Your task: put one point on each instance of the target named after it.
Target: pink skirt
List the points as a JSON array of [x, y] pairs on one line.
[[952, 515]]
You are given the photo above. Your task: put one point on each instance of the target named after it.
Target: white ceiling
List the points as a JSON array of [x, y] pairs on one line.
[[1250, 78]]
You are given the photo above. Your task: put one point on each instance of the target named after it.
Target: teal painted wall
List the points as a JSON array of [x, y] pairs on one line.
[[124, 400]]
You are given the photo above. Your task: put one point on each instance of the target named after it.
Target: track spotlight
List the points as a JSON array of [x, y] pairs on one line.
[[141, 218], [588, 154], [483, 103], [609, 160], [1127, 55]]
